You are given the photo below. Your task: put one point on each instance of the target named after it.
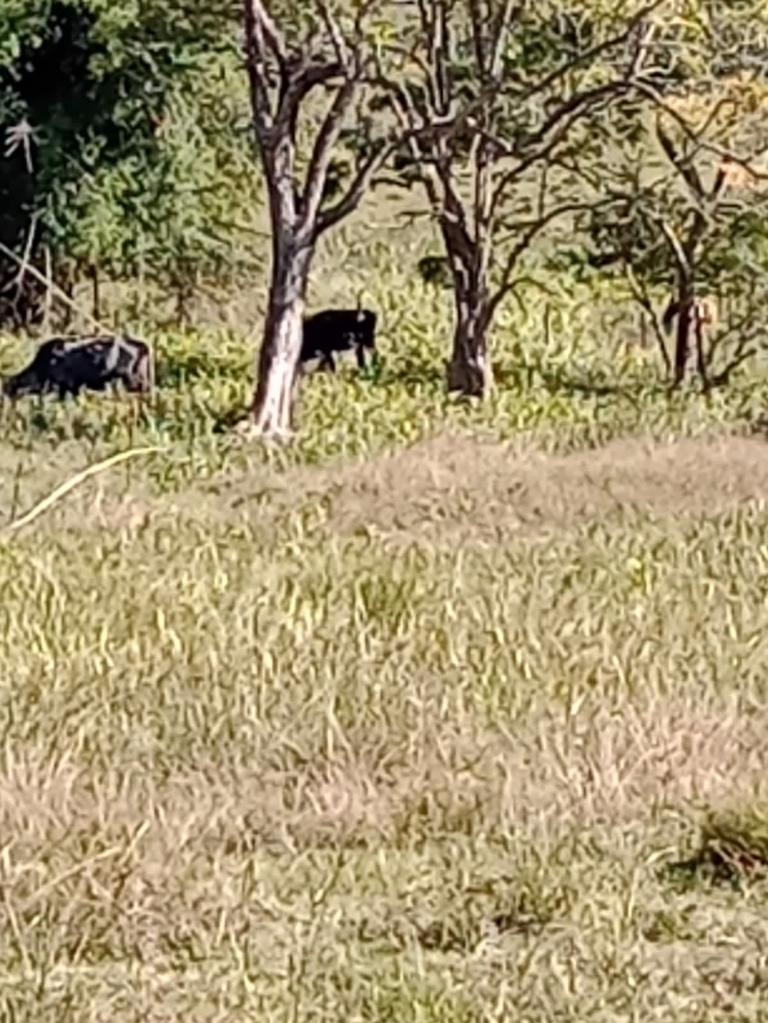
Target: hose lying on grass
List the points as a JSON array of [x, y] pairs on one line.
[[64, 488]]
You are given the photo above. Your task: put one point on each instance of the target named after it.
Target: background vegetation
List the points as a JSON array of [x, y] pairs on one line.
[[446, 712]]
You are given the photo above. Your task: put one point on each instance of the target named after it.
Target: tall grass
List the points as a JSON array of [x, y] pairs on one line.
[[401, 722]]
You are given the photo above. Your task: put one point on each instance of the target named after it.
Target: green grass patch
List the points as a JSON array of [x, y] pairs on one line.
[[412, 720]]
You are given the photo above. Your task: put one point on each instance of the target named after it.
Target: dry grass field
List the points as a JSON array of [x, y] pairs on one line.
[[442, 715]]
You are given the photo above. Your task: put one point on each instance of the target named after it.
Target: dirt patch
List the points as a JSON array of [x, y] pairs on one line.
[[459, 488], [481, 489], [453, 488]]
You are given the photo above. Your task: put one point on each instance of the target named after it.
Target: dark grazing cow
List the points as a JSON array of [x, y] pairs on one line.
[[67, 365], [338, 331], [435, 270]]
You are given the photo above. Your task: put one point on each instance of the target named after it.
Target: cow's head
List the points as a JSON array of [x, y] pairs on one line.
[[366, 322]]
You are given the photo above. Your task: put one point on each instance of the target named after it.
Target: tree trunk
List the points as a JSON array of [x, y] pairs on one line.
[[684, 308], [61, 313], [682, 339], [699, 326], [273, 400], [469, 370], [96, 296]]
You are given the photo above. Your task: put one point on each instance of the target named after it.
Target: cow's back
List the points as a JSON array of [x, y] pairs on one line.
[[89, 362], [332, 329], [71, 364]]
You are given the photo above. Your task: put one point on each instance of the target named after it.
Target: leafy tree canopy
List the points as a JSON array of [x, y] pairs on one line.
[[125, 133]]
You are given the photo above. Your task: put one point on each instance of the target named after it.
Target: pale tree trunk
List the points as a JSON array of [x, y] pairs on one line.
[[469, 369], [273, 399], [281, 78]]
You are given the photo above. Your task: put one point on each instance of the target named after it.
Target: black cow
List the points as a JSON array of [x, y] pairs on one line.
[[340, 331], [67, 365], [435, 270]]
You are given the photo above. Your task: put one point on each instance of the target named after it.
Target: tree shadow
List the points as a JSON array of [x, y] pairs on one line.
[[557, 382]]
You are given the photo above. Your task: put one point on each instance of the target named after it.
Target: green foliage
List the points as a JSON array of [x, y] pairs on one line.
[[627, 230], [135, 161], [569, 369]]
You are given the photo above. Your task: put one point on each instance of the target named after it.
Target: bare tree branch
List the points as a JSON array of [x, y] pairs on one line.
[[526, 232], [322, 152], [725, 153], [339, 44], [640, 293], [257, 15], [506, 14], [684, 167], [586, 57], [358, 186], [560, 124], [257, 46], [677, 247]]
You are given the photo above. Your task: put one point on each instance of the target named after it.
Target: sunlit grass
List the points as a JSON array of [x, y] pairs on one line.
[[376, 727]]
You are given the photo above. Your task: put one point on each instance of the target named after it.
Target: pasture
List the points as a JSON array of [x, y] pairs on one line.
[[442, 714]]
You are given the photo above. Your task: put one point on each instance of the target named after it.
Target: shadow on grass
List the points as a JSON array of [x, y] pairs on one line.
[[732, 850], [524, 376]]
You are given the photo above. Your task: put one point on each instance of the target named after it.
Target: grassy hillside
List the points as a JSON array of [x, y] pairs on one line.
[[443, 714]]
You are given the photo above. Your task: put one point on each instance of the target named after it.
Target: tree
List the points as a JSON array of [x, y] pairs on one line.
[[120, 153], [497, 98], [293, 57], [685, 204]]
